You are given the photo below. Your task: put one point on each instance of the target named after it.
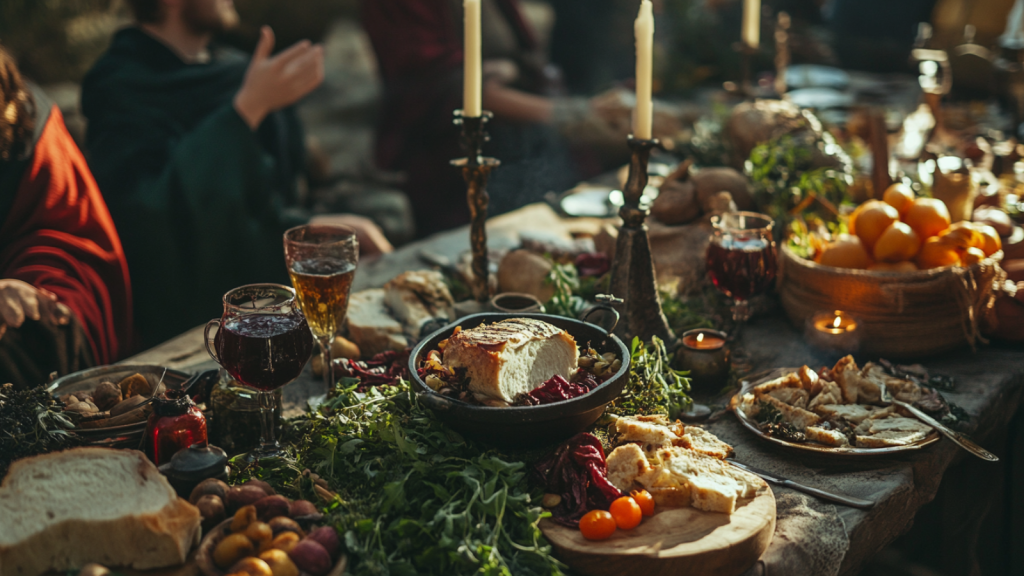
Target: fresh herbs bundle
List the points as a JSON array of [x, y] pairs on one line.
[[564, 302], [416, 498], [31, 423], [654, 387]]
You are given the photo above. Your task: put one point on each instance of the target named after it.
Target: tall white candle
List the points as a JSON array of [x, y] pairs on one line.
[[472, 88], [644, 30], [751, 23]]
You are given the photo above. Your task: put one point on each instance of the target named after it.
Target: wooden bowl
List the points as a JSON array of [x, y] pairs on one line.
[[524, 426], [204, 554]]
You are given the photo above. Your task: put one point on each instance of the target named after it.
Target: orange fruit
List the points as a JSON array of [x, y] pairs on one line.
[[871, 219], [928, 217], [937, 253], [972, 256], [898, 243], [991, 241], [846, 252], [893, 267], [900, 197], [963, 235]]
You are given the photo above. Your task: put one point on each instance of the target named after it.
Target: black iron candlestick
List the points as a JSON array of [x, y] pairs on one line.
[[633, 268], [475, 170]]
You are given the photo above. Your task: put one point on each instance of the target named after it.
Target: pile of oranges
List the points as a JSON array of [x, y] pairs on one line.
[[901, 233]]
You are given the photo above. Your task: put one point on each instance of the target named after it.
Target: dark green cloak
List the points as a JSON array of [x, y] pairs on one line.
[[197, 197]]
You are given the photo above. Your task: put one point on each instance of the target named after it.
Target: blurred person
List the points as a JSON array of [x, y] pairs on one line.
[[65, 298], [419, 50], [197, 150]]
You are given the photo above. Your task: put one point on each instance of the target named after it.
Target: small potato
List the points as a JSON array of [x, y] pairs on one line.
[[127, 405], [239, 496], [209, 486], [311, 557], [342, 348], [252, 567], [83, 408], [302, 508], [259, 532], [211, 507], [285, 524], [134, 385], [106, 395], [231, 549], [279, 562], [271, 507], [267, 488], [327, 537], [285, 541], [246, 515]]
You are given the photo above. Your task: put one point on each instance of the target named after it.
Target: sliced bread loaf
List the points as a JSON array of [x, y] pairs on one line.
[[64, 510]]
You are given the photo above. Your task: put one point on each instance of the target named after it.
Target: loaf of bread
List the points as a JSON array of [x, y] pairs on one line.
[[63, 510], [512, 356]]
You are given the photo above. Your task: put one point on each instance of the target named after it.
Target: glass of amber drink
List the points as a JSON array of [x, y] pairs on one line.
[[322, 262]]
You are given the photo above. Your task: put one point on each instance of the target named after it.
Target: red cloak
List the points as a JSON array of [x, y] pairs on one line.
[[59, 236]]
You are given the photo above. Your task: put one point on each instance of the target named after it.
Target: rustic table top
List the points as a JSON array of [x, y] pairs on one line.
[[812, 536]]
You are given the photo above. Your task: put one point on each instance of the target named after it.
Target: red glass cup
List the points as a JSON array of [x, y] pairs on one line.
[[741, 259]]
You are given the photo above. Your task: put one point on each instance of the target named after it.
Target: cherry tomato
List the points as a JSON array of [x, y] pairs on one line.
[[644, 500], [626, 512], [597, 525]]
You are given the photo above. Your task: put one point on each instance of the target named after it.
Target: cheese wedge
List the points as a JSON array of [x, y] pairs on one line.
[[512, 356]]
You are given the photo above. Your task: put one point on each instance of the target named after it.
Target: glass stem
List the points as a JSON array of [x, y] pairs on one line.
[[266, 400], [328, 363]]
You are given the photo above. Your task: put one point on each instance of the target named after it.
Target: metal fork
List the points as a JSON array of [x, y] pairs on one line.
[[953, 435]]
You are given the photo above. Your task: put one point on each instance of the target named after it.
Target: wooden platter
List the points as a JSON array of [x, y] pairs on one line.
[[674, 542], [842, 452]]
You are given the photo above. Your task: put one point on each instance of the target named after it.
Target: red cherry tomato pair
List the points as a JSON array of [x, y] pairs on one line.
[[624, 513]]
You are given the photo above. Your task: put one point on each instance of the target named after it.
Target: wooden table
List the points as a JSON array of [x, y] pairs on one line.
[[812, 537]]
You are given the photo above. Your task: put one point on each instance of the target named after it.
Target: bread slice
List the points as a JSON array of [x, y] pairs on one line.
[[512, 356], [651, 434], [714, 485], [700, 440], [852, 413], [791, 380], [371, 326], [798, 417], [64, 510], [625, 464], [826, 437], [416, 297], [890, 438], [829, 394], [844, 373], [810, 380], [904, 390]]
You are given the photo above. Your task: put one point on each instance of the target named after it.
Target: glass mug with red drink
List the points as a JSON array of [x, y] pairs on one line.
[[741, 259], [263, 341]]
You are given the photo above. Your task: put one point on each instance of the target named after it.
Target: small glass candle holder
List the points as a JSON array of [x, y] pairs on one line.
[[833, 331], [705, 354]]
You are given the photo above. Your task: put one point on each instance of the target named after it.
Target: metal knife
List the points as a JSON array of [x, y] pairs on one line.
[[837, 498]]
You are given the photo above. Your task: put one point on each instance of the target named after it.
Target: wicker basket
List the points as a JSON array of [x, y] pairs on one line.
[[904, 315]]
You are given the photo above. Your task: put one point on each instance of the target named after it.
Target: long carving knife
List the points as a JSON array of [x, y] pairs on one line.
[[824, 495]]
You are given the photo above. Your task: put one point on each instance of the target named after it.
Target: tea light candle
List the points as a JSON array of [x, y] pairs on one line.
[[833, 330], [704, 354]]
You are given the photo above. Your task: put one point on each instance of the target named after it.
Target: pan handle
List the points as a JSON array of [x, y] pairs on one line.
[[434, 401], [605, 302]]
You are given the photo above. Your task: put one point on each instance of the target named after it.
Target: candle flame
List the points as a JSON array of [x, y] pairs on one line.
[[700, 337], [837, 322]]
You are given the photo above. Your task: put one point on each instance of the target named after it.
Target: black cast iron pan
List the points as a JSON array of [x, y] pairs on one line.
[[525, 426]]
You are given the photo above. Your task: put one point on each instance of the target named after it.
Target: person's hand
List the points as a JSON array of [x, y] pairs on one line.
[[273, 83], [371, 239], [20, 301]]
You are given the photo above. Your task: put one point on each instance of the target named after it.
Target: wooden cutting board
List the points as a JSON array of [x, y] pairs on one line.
[[674, 542]]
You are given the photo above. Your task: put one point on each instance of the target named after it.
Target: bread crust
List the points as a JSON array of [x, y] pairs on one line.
[[143, 541]]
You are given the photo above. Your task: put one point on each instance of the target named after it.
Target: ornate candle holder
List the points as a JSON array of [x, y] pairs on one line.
[[475, 170], [633, 268], [782, 57]]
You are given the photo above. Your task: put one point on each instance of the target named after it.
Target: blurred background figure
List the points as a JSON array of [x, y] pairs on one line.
[[198, 152], [65, 299]]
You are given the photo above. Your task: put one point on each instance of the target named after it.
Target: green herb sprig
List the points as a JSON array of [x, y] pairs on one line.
[[32, 422], [654, 386]]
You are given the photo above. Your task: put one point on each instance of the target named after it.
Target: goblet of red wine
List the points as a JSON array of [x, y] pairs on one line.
[[741, 259], [263, 341]]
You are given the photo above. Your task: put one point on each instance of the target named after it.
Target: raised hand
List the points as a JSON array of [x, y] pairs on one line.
[[271, 83]]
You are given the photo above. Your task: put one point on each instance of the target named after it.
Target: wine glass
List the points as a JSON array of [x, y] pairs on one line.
[[741, 259], [322, 263], [264, 342]]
